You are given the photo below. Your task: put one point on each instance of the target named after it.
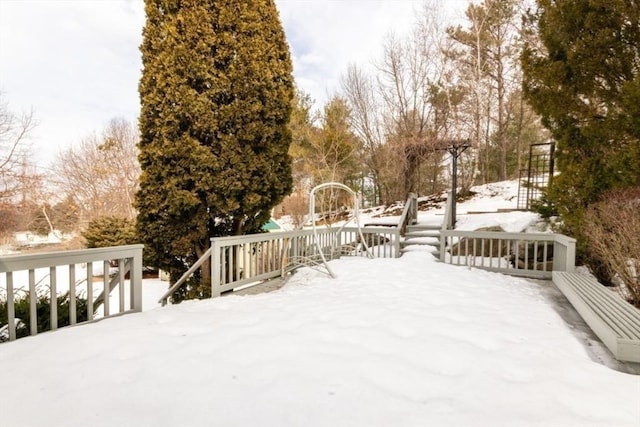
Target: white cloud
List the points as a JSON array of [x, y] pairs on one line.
[[77, 63]]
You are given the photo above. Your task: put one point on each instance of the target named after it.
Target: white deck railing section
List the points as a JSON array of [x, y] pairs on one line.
[[72, 271], [241, 260], [533, 255], [238, 261]]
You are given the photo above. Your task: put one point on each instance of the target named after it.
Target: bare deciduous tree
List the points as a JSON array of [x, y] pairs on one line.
[[14, 130], [488, 60], [101, 174], [613, 230], [400, 113]]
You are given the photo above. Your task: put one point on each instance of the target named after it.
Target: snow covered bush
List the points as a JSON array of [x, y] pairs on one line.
[[612, 227]]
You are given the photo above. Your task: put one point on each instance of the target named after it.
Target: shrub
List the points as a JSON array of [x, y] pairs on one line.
[[612, 230], [43, 310], [110, 231]]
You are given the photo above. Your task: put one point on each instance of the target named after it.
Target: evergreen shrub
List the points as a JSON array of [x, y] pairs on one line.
[[43, 309], [110, 231]]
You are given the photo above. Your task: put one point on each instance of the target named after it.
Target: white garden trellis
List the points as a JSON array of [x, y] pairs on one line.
[[335, 247]]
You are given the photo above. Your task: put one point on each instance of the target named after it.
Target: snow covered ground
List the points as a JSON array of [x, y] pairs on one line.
[[389, 342]]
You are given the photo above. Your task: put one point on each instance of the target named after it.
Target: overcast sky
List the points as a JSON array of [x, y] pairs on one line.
[[76, 63]]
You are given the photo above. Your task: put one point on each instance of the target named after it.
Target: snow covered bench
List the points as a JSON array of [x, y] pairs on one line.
[[614, 321]]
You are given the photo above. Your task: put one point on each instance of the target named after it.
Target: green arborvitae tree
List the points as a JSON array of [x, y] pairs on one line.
[[216, 94], [581, 70], [110, 231]]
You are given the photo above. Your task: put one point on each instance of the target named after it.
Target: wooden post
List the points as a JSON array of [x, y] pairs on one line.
[[455, 148], [215, 269], [135, 280]]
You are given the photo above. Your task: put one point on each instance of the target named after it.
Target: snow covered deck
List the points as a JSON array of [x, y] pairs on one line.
[[390, 342]]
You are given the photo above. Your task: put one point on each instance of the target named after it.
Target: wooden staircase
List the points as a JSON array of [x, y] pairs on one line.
[[422, 238]]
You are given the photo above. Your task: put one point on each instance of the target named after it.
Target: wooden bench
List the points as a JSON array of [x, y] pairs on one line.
[[614, 321]]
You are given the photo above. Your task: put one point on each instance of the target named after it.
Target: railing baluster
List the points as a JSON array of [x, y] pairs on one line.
[[53, 295], [72, 295], [11, 308], [271, 255], [222, 259], [233, 253], [121, 284], [491, 253], [466, 252], [33, 309], [89, 291], [106, 290], [246, 256], [475, 256]]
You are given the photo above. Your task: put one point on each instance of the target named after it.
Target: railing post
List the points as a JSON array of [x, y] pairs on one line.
[[396, 243], [135, 280], [215, 269], [570, 265], [564, 253], [414, 208]]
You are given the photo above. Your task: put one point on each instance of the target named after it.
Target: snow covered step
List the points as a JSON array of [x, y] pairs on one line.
[[423, 227], [426, 241], [424, 233], [421, 248]]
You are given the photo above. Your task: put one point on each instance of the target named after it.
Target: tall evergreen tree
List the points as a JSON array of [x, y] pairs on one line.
[[582, 75], [216, 94]]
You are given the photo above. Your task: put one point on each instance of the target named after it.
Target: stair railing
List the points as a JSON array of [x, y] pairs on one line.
[[409, 213], [204, 258]]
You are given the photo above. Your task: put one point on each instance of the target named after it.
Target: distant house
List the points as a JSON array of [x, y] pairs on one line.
[[271, 226]]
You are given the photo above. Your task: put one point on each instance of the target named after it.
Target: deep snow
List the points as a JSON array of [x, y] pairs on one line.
[[389, 342]]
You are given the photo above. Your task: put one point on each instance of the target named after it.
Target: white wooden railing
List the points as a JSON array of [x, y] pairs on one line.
[[238, 261], [533, 255], [72, 271]]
